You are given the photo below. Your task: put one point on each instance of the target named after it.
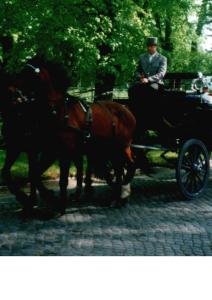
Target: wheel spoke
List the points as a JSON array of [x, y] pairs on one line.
[[188, 180], [192, 169], [186, 174], [196, 153], [196, 185], [203, 161], [203, 172], [189, 158], [203, 164], [192, 183], [189, 184], [200, 182], [186, 165]]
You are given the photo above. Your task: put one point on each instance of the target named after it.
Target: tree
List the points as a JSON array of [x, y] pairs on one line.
[[98, 40], [204, 17]]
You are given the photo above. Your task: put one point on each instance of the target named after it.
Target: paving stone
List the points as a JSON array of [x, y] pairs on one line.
[[155, 222]]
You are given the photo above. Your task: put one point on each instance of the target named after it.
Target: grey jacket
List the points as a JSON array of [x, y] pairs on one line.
[[154, 70]]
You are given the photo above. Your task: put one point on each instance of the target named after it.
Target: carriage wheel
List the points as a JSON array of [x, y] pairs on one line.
[[193, 168]]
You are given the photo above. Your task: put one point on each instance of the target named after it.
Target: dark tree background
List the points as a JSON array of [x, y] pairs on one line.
[[100, 39]]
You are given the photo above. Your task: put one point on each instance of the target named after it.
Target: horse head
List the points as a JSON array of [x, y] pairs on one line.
[[26, 86], [38, 81], [56, 82]]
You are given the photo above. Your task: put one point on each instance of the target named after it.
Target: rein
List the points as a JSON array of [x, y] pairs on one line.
[[89, 119], [110, 115], [86, 132]]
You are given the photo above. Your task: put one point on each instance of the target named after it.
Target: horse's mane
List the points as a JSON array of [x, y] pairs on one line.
[[57, 72]]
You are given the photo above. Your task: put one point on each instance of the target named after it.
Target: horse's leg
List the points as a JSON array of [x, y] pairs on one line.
[[46, 160], [118, 169], [88, 181], [122, 184], [32, 158], [64, 174], [11, 156], [79, 167], [130, 166]]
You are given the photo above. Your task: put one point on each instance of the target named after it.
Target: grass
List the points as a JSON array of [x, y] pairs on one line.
[[156, 159], [20, 168]]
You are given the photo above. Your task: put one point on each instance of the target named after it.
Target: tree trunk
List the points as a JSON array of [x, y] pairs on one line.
[[202, 20]]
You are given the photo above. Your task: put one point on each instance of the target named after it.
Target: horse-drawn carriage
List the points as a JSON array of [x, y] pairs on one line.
[[185, 128], [70, 129]]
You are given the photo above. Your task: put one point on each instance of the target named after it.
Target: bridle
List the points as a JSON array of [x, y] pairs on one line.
[[18, 95]]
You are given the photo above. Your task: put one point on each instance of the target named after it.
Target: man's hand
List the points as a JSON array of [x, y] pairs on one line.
[[144, 80]]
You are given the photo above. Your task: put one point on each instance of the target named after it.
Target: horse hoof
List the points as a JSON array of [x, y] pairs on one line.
[[125, 191]]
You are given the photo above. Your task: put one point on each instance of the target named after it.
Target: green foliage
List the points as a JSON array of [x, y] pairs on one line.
[[92, 36]]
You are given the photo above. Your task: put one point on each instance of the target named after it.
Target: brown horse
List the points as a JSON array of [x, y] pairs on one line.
[[29, 125], [110, 127]]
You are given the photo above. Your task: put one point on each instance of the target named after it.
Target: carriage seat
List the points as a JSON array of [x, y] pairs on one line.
[[205, 99], [182, 96], [169, 95], [194, 97]]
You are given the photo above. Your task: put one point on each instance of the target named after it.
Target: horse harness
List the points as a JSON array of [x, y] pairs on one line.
[[86, 131]]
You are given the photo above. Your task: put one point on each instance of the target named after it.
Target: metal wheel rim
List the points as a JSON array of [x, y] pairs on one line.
[[193, 170]]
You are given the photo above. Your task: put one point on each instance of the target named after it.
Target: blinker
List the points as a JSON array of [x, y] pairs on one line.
[[37, 70]]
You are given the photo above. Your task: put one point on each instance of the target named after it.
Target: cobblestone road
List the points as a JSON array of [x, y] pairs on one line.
[[155, 222]]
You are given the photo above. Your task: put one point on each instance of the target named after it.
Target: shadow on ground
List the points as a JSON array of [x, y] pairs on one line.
[[155, 222]]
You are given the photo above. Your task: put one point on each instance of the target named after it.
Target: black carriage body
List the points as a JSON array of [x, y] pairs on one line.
[[186, 116], [182, 114], [184, 126]]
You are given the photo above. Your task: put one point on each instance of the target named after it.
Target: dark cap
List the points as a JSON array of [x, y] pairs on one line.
[[152, 41]]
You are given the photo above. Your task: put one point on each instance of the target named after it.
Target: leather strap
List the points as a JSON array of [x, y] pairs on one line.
[[110, 115]]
